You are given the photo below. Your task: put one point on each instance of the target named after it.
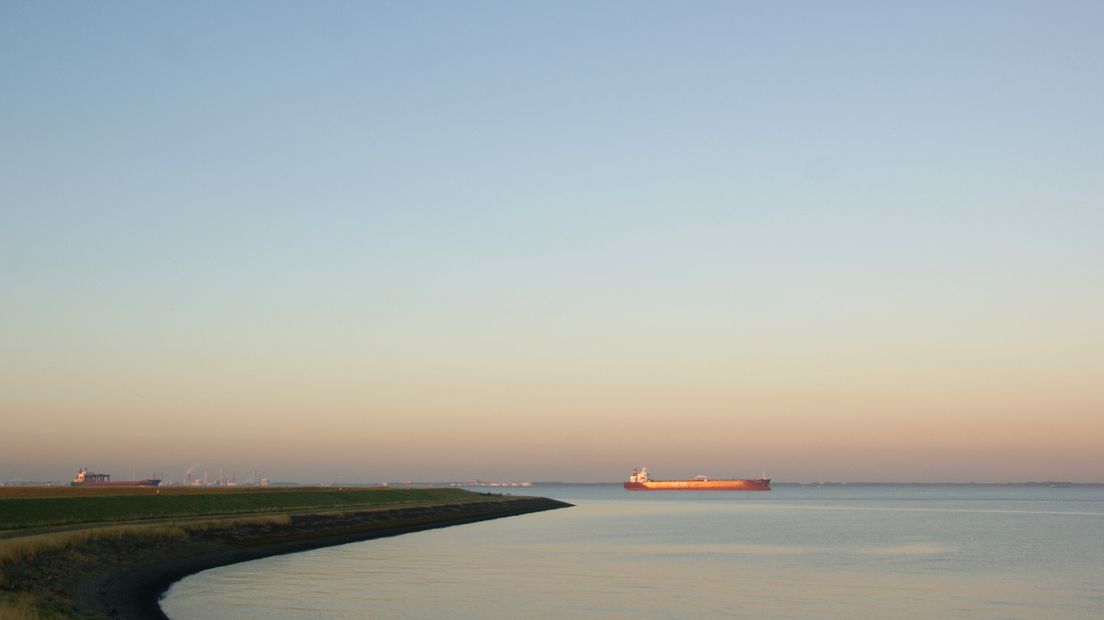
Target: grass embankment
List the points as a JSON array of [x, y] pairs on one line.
[[22, 508], [129, 546]]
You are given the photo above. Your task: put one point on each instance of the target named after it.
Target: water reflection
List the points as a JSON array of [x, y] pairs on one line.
[[964, 554]]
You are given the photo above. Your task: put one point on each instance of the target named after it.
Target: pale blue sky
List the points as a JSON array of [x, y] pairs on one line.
[[396, 219]]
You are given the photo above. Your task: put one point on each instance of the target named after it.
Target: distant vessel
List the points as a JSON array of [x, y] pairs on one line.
[[86, 478], [639, 481]]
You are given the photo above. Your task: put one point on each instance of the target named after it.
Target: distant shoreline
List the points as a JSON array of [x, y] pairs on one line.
[[882, 484], [1055, 483], [15, 484]]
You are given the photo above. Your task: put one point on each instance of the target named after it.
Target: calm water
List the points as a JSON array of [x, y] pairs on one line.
[[795, 552]]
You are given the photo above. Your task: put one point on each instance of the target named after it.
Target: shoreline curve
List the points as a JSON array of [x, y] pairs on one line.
[[133, 590]]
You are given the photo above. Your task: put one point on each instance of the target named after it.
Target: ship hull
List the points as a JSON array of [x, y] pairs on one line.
[[121, 483], [762, 484]]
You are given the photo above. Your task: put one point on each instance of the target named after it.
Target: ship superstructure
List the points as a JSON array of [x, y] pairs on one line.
[[86, 478], [640, 481]]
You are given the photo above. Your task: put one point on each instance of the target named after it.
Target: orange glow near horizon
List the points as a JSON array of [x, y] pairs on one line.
[[978, 419]]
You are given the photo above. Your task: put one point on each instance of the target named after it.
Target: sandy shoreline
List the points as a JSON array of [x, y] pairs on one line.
[[125, 578]]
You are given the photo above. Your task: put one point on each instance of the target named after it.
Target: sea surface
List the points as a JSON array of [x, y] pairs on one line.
[[795, 552]]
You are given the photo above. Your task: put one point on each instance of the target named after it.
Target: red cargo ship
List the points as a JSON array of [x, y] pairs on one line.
[[86, 478], [639, 481]]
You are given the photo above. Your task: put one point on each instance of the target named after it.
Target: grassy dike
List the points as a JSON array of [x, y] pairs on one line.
[[110, 553]]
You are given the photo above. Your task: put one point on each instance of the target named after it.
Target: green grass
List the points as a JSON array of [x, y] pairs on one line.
[[22, 513], [23, 606]]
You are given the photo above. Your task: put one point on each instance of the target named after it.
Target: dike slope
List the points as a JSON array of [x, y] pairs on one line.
[[123, 573]]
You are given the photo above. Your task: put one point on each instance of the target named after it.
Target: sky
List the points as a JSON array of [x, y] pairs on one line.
[[361, 241]]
